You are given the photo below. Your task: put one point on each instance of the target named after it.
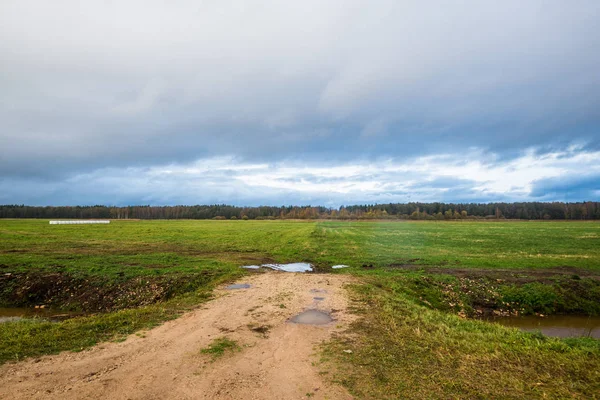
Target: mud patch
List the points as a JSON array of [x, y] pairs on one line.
[[312, 317], [544, 275], [238, 286], [16, 314]]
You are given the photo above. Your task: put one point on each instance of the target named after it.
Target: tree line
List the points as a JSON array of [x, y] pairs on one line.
[[588, 210]]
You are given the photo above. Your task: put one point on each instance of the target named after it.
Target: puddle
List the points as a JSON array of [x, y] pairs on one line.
[[15, 314], [291, 267], [561, 326], [319, 298], [312, 317], [318, 291], [238, 286], [340, 266], [251, 266]]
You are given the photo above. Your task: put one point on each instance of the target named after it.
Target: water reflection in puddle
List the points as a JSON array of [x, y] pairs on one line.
[[251, 266], [561, 326], [238, 286], [312, 317], [291, 267], [8, 314], [319, 298], [340, 266]]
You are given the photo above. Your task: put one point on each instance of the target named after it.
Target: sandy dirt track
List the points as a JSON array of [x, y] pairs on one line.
[[167, 363]]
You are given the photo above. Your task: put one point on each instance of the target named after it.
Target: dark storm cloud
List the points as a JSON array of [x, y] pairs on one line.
[[569, 188], [124, 86]]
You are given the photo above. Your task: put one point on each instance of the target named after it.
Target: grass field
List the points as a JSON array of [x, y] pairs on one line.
[[138, 248], [135, 274]]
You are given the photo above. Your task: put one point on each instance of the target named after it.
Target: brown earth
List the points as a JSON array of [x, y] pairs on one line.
[[514, 275], [277, 360], [60, 290]]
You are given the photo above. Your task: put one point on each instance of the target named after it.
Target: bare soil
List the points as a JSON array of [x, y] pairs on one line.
[[543, 275], [277, 360]]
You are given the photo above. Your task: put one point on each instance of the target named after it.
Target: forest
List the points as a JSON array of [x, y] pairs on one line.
[[588, 210]]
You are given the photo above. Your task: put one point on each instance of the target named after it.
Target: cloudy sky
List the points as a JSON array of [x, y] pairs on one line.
[[307, 102]]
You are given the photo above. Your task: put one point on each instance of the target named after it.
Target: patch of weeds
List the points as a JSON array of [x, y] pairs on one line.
[[282, 305], [220, 346], [281, 296]]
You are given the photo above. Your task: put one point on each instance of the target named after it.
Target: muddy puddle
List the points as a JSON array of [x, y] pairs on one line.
[[15, 314], [291, 267], [312, 317], [562, 326], [238, 286]]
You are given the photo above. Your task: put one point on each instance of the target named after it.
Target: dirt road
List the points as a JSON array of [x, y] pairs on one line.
[[277, 359]]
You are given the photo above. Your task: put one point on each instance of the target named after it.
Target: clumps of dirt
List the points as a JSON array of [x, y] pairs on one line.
[[545, 275], [260, 329], [91, 293]]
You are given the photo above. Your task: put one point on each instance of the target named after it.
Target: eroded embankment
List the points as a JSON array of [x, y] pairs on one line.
[[88, 293], [484, 292]]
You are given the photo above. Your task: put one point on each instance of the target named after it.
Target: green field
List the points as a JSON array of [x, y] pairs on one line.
[[164, 247], [409, 338]]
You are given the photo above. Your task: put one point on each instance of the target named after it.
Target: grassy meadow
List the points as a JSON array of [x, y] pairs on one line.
[[419, 280], [136, 248]]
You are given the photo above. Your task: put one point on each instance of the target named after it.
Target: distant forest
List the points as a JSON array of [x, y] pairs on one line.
[[417, 211]]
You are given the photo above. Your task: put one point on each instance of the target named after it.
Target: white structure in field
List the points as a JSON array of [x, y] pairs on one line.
[[79, 222]]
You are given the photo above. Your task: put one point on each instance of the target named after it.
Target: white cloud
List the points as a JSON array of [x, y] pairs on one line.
[[443, 177]]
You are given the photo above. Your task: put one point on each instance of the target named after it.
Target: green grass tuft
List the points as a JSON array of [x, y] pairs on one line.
[[220, 346]]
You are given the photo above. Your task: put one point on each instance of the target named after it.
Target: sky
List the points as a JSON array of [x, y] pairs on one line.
[[295, 103]]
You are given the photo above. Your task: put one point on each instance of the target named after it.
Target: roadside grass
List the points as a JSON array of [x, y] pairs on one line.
[[220, 346], [404, 350]]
